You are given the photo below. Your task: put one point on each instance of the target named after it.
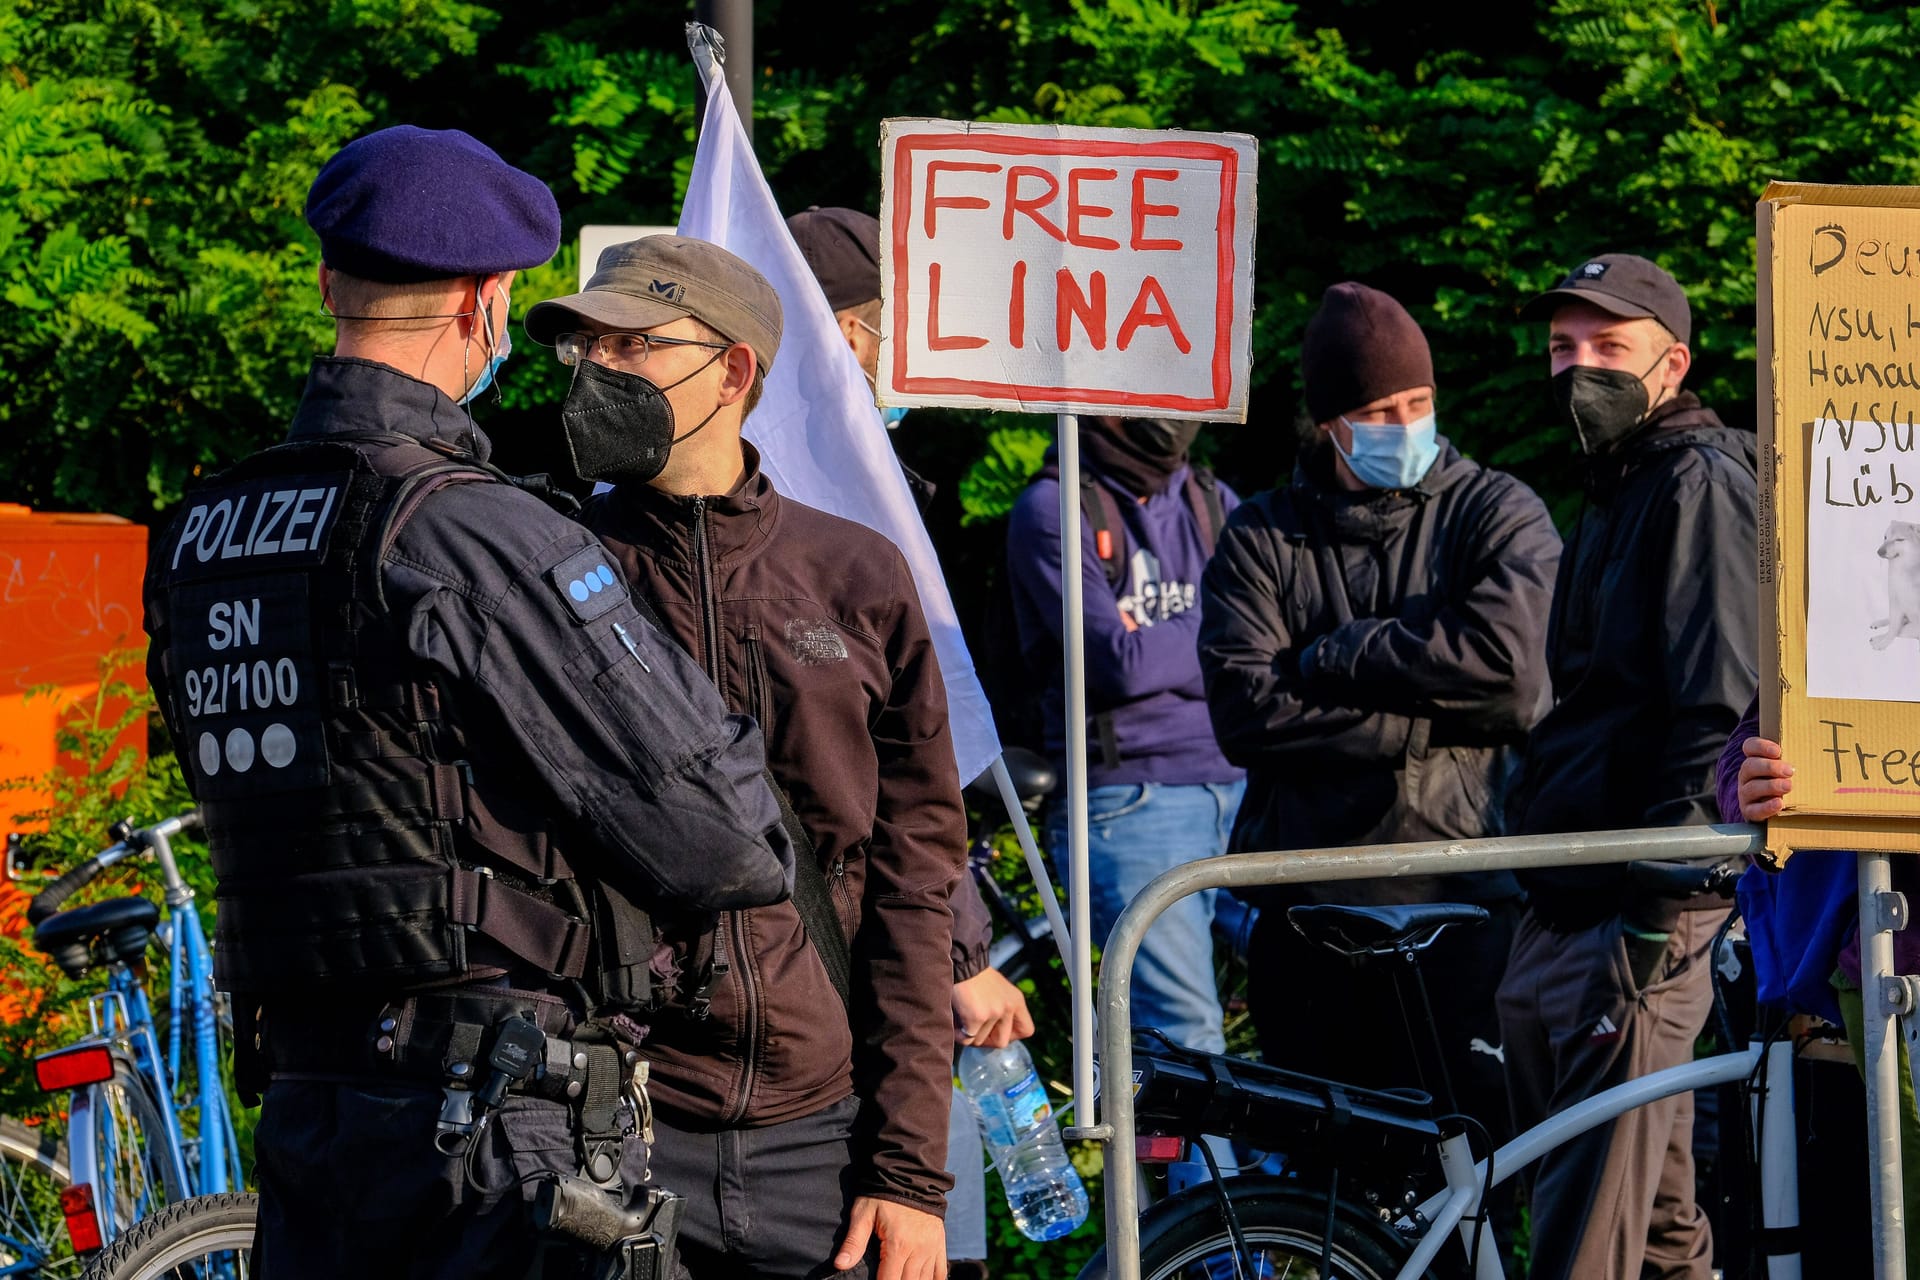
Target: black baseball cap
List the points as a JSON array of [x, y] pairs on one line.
[[1621, 284], [842, 246]]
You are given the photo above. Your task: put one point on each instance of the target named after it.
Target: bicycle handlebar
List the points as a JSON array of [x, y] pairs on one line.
[[133, 840], [1684, 879], [49, 899]]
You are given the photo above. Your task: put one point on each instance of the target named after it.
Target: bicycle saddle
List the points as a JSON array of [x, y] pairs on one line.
[[103, 933], [1360, 931], [1033, 779]]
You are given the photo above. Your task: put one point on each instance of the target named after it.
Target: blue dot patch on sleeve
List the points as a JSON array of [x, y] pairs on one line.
[[589, 583]]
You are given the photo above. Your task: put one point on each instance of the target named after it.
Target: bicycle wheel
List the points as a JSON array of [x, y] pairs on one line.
[[202, 1238], [33, 1173], [118, 1143], [1185, 1237]]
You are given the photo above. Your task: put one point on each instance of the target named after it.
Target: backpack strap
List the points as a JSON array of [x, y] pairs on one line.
[[1102, 512], [814, 903], [1103, 518], [1203, 495]]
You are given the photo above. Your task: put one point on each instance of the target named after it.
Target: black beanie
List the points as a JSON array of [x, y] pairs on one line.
[[1360, 345]]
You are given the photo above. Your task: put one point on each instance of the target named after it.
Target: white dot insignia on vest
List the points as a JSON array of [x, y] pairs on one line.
[[583, 580]]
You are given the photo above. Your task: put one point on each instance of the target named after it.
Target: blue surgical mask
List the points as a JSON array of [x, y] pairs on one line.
[[1390, 456], [499, 357], [892, 416]]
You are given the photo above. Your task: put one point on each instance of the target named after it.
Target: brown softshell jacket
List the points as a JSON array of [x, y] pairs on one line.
[[812, 625]]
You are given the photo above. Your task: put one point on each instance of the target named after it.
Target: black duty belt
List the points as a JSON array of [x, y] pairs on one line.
[[427, 1038]]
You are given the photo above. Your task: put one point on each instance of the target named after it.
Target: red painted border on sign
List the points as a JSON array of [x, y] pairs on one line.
[[1089, 149]]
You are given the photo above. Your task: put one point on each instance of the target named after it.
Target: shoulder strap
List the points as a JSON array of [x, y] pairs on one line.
[[1102, 511], [1203, 495], [814, 903], [1103, 516]]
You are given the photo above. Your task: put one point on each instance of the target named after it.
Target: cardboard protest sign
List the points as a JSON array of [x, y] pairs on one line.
[[1839, 374], [1053, 269]]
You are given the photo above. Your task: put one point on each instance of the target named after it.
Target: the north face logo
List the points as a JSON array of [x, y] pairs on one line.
[[1593, 270], [668, 289]]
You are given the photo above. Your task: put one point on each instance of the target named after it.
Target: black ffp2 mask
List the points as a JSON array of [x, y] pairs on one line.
[[1605, 407], [619, 426], [1161, 437]]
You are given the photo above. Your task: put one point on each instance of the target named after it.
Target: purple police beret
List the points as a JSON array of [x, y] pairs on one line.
[[407, 204]]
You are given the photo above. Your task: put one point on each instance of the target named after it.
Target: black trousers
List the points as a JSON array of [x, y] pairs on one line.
[[1317, 1013], [351, 1187], [769, 1202]]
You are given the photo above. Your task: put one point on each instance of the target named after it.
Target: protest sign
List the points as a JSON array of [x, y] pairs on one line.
[[1839, 368], [1060, 270]]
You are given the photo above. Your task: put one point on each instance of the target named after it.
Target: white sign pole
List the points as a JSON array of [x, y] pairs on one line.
[[1052, 269], [1079, 879]]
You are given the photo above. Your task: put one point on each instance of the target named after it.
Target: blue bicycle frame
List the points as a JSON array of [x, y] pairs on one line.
[[198, 1159]]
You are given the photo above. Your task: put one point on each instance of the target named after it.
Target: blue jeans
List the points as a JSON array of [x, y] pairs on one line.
[[1134, 832], [967, 1202]]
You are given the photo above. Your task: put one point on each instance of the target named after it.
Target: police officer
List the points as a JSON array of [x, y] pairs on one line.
[[446, 769]]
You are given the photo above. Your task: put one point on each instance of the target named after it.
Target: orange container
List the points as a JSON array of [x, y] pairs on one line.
[[69, 595]]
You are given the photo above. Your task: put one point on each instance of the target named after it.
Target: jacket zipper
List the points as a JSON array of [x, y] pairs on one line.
[[709, 605], [759, 702], [745, 972]]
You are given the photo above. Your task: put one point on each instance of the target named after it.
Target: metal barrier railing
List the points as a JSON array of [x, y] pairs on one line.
[[1115, 1129]]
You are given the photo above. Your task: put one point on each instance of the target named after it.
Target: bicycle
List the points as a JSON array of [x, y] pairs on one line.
[[144, 1128], [202, 1238], [1350, 1205]]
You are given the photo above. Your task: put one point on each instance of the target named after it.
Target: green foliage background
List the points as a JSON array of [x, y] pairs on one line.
[[154, 158]]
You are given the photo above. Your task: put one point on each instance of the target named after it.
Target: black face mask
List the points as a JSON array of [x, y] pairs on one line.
[[1161, 437], [1605, 407], [619, 426]]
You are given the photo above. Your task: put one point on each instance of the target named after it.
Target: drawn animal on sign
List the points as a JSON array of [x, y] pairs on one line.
[[1901, 551]]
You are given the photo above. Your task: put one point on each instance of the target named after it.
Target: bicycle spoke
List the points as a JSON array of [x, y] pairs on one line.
[[33, 1235]]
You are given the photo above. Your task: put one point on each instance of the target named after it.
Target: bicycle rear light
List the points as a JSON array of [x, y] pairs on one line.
[[71, 1068], [83, 1224], [1158, 1148]]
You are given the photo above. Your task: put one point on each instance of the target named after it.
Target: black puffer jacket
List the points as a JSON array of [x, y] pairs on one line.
[[1654, 647], [1432, 605]]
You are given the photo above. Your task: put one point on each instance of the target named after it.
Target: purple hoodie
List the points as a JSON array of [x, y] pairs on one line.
[[1149, 677]]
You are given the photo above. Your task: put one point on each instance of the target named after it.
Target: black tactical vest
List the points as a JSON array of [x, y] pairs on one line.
[[353, 847]]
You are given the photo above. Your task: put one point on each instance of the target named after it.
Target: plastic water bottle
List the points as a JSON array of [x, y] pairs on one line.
[[1043, 1190]]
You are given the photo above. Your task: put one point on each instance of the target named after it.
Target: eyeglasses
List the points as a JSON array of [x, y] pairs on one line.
[[622, 350]]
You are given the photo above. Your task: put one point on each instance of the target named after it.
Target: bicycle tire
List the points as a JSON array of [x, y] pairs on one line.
[[33, 1172], [132, 1172], [200, 1238], [1185, 1238]]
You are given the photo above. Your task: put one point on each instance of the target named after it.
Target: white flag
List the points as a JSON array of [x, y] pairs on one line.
[[820, 438]]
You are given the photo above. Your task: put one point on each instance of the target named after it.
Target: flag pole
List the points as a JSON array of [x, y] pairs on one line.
[[1023, 831], [1073, 620]]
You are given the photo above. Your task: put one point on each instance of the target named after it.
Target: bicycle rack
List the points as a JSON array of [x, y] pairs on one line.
[[1115, 1126]]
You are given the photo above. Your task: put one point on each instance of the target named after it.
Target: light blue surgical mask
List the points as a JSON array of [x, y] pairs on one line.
[[893, 416], [500, 353], [1391, 456]]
